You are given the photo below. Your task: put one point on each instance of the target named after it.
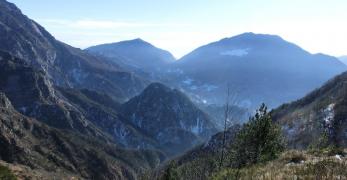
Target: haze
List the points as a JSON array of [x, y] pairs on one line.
[[181, 26]]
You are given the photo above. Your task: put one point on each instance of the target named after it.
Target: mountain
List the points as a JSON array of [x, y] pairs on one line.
[[343, 59], [38, 151], [135, 55], [305, 121], [106, 114], [84, 111], [64, 65], [169, 117], [257, 67], [32, 94]]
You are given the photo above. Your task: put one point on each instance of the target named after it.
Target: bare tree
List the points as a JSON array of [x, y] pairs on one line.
[[226, 116], [231, 100]]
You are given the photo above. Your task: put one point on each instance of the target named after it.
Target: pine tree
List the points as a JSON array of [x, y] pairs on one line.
[[259, 140]]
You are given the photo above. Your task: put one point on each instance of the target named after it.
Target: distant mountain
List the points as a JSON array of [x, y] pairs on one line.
[[257, 67], [64, 65], [169, 117], [322, 111], [343, 59], [136, 55]]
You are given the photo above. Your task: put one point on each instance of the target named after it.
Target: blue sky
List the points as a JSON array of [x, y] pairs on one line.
[[182, 25]]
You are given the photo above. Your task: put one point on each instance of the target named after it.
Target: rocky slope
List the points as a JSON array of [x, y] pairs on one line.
[[32, 94], [105, 113], [169, 117], [98, 116], [64, 65], [38, 147], [322, 111], [258, 68]]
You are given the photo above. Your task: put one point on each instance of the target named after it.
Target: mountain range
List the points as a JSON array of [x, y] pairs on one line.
[[76, 102], [257, 68], [115, 111]]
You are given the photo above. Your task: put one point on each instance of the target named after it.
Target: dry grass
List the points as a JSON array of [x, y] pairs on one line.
[[292, 165]]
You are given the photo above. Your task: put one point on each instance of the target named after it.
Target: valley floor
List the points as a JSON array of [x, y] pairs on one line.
[[293, 165]]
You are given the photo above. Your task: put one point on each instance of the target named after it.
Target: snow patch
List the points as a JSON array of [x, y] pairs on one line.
[[337, 156], [329, 114], [188, 81], [235, 52]]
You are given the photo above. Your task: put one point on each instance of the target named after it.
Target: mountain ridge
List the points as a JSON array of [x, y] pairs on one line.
[[279, 71]]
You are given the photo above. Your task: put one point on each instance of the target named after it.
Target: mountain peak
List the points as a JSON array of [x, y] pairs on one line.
[[157, 87], [250, 36], [137, 41], [163, 113], [134, 54]]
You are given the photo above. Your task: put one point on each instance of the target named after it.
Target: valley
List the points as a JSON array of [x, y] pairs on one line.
[[131, 110]]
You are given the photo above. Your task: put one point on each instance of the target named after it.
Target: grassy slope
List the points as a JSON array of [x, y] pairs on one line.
[[6, 174], [292, 165]]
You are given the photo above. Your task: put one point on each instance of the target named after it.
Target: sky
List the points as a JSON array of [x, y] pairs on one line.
[[180, 26]]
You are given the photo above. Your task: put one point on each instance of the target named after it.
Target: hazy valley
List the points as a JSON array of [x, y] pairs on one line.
[[131, 110]]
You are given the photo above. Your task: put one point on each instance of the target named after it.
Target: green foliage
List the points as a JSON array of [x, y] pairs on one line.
[[323, 147], [6, 174], [171, 172], [321, 143], [259, 140]]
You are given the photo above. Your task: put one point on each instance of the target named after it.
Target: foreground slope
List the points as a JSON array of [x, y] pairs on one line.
[[322, 111], [258, 67]]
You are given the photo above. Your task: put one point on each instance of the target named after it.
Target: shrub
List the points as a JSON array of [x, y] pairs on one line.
[[259, 140]]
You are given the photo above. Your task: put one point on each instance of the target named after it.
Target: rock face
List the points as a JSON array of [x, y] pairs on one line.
[[169, 117], [102, 111], [259, 68], [323, 110], [135, 55], [32, 94], [64, 65], [65, 154]]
